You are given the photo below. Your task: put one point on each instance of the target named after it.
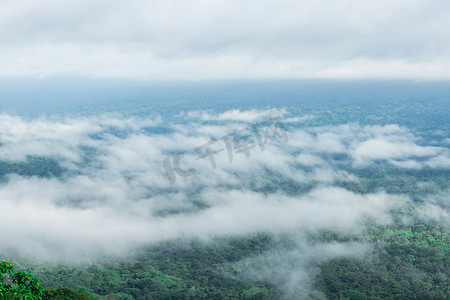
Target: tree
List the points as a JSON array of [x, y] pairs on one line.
[[63, 293], [18, 285]]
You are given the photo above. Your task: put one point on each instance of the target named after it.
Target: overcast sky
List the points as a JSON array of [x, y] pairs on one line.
[[226, 39]]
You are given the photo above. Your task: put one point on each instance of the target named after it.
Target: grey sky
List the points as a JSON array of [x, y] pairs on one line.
[[226, 39]]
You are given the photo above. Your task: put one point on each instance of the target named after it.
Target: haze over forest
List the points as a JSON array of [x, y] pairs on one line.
[[226, 150]]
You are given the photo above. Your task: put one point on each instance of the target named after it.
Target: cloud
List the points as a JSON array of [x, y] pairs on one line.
[[238, 115], [440, 161], [293, 269], [113, 219], [434, 213], [194, 39], [367, 144], [435, 209], [114, 196], [309, 160], [380, 148], [298, 119]]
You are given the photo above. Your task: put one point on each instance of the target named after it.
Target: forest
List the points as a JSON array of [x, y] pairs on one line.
[[403, 261]]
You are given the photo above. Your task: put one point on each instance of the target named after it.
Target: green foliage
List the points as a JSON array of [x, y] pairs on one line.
[[63, 293], [412, 263], [18, 285], [172, 270], [406, 263]]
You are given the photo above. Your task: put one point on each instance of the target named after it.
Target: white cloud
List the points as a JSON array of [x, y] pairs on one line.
[[436, 209], [381, 148], [434, 213], [108, 222], [292, 269], [309, 160], [366, 144], [119, 200], [226, 39], [238, 115], [440, 161]]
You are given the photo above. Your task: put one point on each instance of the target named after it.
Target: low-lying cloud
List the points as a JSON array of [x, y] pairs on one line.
[[114, 195]]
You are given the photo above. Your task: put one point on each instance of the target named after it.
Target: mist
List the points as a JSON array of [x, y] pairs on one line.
[[114, 194]]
